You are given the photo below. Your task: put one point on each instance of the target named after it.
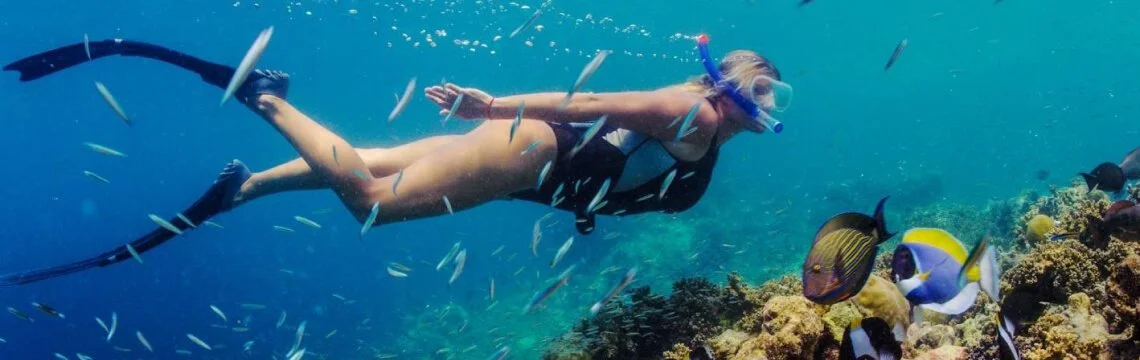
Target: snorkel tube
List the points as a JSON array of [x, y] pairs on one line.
[[760, 120]]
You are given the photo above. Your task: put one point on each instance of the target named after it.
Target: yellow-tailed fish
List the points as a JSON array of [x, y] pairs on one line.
[[587, 72], [562, 252], [368, 222], [396, 273], [199, 342], [530, 147], [403, 101], [307, 222], [284, 229], [526, 24], [48, 310], [219, 312], [396, 183], [212, 224], [164, 224], [87, 46], [542, 174], [692, 114], [96, 177], [281, 319], [597, 203], [20, 315], [104, 150], [114, 326], [460, 260], [142, 340], [933, 270], [515, 124], [843, 255], [587, 136], [134, 254], [186, 220], [454, 108], [447, 258], [665, 184], [625, 281], [110, 99], [447, 204], [247, 63], [541, 296]]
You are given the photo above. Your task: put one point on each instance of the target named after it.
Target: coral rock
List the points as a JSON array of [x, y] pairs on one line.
[[1124, 291], [792, 329], [1075, 333], [678, 352], [1065, 267], [948, 352]]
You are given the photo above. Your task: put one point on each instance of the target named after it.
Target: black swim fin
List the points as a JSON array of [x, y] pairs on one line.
[[56, 60], [217, 199]]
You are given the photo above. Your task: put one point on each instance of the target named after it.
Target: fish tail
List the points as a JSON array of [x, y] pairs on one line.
[[984, 257], [1091, 181], [881, 221]]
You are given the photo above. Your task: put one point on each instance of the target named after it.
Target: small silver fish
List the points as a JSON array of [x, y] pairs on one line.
[[501, 353], [541, 296], [104, 150], [110, 99], [47, 310], [248, 62], [542, 174], [644, 197], [284, 229], [665, 184], [219, 313], [164, 224], [597, 203], [297, 339], [492, 289], [895, 55], [447, 258], [307, 222], [142, 340], [199, 342], [368, 222], [114, 326], [687, 175], [625, 280], [186, 220], [454, 108], [213, 224], [526, 24], [253, 306], [531, 147], [87, 46], [402, 102], [60, 356], [281, 319], [102, 324], [447, 203], [460, 260], [515, 124], [396, 273], [562, 252], [134, 254], [587, 136], [183, 352], [536, 233], [296, 355], [684, 129], [96, 177], [396, 183], [587, 72], [330, 334]]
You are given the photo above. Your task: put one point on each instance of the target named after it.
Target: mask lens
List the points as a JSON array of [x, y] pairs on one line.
[[770, 93]]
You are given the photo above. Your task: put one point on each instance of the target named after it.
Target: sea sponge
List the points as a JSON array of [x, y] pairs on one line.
[[1065, 267], [792, 329], [678, 352], [1075, 333], [1038, 228]]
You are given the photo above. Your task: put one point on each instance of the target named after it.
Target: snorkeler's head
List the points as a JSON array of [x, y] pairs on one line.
[[748, 80]]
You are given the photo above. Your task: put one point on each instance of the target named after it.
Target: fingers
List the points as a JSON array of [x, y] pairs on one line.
[[453, 87]]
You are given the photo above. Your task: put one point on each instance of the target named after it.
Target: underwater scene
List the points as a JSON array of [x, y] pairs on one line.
[[570, 179]]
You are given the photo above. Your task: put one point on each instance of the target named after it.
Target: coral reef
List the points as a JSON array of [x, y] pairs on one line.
[[1064, 267], [678, 352], [791, 329], [1076, 332], [1124, 301], [1070, 206]]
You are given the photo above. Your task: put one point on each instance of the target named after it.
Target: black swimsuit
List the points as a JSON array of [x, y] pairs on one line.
[[579, 178]]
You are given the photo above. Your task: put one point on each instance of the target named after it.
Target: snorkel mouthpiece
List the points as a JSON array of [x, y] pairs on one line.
[[760, 120]]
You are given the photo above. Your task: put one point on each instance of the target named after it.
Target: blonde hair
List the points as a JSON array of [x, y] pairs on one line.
[[737, 65]]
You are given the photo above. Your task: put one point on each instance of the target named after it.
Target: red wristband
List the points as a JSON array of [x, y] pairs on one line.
[[489, 105]]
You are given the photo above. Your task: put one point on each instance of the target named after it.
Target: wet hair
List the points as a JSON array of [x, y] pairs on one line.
[[739, 66]]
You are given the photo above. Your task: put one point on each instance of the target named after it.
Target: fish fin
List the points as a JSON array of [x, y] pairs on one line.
[[1007, 349], [881, 222], [968, 272], [916, 315], [959, 304], [899, 332], [937, 238], [1091, 181], [982, 266]]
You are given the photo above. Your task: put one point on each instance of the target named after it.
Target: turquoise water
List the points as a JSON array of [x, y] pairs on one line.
[[984, 97]]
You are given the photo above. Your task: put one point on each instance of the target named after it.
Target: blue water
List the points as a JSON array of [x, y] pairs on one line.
[[984, 96]]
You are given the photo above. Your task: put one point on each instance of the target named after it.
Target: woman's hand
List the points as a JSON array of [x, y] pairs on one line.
[[473, 106]]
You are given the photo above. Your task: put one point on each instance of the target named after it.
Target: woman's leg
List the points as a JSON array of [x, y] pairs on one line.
[[474, 168], [297, 175]]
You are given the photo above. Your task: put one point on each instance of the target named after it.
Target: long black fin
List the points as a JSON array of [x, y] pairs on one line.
[[881, 221], [56, 60], [208, 205]]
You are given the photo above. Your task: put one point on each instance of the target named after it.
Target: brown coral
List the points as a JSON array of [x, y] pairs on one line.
[[1124, 291], [1075, 333], [1065, 267], [791, 330], [678, 352]]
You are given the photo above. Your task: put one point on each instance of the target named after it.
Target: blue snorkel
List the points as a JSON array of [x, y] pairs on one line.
[[760, 120]]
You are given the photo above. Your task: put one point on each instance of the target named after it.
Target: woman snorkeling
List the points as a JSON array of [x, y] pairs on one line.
[[605, 153]]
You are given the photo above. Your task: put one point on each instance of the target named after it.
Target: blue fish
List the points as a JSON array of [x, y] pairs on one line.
[[933, 270]]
